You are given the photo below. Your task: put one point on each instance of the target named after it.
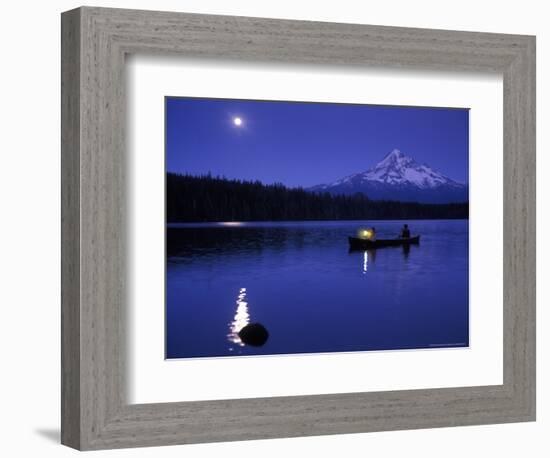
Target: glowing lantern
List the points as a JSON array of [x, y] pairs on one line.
[[365, 234]]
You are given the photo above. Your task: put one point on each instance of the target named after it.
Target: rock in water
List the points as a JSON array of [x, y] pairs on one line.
[[254, 334]]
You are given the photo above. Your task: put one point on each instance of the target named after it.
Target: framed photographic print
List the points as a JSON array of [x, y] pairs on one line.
[[284, 228], [266, 223]]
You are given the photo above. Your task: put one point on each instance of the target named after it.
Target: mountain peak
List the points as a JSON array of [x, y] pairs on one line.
[[399, 175], [395, 158], [395, 153], [399, 169]]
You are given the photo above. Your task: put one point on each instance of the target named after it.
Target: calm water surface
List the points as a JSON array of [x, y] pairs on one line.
[[299, 280]]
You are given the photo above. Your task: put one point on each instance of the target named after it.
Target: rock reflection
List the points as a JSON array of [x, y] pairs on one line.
[[240, 320]]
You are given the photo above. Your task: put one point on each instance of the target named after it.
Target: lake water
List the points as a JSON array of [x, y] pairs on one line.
[[299, 280]]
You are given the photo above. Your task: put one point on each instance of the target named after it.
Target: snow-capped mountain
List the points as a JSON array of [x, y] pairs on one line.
[[399, 177]]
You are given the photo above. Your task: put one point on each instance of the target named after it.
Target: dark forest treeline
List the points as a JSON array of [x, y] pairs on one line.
[[207, 199]]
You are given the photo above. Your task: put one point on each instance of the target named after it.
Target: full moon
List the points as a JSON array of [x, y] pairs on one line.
[[237, 121]]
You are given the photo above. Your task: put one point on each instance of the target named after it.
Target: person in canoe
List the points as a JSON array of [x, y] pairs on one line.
[[405, 232], [366, 239]]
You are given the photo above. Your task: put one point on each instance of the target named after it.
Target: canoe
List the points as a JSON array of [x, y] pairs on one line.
[[364, 244]]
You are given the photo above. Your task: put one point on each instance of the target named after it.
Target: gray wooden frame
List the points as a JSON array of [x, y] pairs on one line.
[[95, 413]]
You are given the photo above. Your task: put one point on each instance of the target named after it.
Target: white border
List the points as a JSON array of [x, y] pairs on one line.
[[152, 379]]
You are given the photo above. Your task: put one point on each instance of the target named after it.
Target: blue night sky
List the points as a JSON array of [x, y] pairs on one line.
[[305, 144]]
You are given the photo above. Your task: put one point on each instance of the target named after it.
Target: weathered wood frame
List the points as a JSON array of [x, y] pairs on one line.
[[95, 413]]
